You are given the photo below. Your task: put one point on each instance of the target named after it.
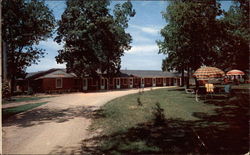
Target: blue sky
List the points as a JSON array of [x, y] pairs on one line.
[[144, 28]]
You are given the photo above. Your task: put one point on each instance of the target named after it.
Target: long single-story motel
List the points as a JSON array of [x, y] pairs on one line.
[[58, 80]]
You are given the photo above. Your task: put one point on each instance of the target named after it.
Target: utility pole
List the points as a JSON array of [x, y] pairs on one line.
[[4, 63], [1, 50]]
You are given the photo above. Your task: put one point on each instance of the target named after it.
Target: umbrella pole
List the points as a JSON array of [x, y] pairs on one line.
[[197, 88], [196, 96]]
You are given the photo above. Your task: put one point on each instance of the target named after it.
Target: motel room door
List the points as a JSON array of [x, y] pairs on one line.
[[118, 83], [131, 83], [104, 83], [175, 82], [85, 84]]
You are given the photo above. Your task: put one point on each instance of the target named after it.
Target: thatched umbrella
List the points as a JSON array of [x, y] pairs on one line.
[[207, 73]]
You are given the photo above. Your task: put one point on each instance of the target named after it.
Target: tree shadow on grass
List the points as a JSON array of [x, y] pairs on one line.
[[46, 115], [177, 89], [146, 138], [225, 131]]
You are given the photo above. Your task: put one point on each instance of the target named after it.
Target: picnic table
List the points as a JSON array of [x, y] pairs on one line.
[[221, 88]]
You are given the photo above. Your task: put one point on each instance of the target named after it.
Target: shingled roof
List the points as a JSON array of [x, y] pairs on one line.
[[150, 73], [48, 74], [55, 72], [34, 75]]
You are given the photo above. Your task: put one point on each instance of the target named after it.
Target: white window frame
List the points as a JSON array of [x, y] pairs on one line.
[[61, 82]]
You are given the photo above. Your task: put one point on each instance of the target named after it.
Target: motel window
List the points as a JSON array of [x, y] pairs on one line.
[[158, 80], [75, 82], [124, 81], [90, 82], [110, 81], [59, 83], [131, 81], [135, 80], [94, 81], [148, 80]]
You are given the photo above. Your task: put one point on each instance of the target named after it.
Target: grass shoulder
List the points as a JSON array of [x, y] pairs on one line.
[[124, 112], [25, 99], [8, 112]]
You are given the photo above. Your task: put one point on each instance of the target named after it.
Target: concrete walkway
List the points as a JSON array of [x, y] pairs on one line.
[[58, 126]]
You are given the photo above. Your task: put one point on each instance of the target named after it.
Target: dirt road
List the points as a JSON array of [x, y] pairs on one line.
[[56, 127]]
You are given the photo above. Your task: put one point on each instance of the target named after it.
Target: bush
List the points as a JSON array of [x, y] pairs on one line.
[[158, 113], [30, 91], [139, 101], [6, 90]]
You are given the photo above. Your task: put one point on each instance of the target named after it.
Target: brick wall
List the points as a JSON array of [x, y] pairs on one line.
[[68, 84]]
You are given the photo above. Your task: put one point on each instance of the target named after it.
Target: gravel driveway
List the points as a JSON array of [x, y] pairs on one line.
[[56, 127]]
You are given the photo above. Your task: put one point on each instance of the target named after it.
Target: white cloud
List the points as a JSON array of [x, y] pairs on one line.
[[148, 29], [143, 49], [45, 64], [144, 3], [142, 62], [50, 44], [139, 38]]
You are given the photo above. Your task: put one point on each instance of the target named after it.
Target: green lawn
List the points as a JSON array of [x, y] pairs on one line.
[[178, 125], [24, 99], [7, 112]]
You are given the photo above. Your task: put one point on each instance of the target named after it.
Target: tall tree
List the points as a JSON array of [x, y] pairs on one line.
[[24, 24], [234, 45], [190, 35], [93, 39]]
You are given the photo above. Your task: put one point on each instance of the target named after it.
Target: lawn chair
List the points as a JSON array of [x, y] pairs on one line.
[[189, 91], [209, 89], [192, 91], [227, 90]]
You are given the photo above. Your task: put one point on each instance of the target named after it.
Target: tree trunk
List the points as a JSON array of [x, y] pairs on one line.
[[12, 85], [182, 77], [196, 84]]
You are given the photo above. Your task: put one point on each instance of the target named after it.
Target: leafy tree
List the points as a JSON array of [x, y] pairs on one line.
[[195, 36], [190, 35], [234, 45], [24, 24], [94, 40]]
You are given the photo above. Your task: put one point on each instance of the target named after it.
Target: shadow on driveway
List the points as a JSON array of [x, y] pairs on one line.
[[46, 115]]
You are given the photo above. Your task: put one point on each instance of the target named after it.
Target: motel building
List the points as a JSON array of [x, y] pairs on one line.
[[58, 81]]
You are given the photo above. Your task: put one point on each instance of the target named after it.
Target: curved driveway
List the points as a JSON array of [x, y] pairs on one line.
[[56, 127]]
